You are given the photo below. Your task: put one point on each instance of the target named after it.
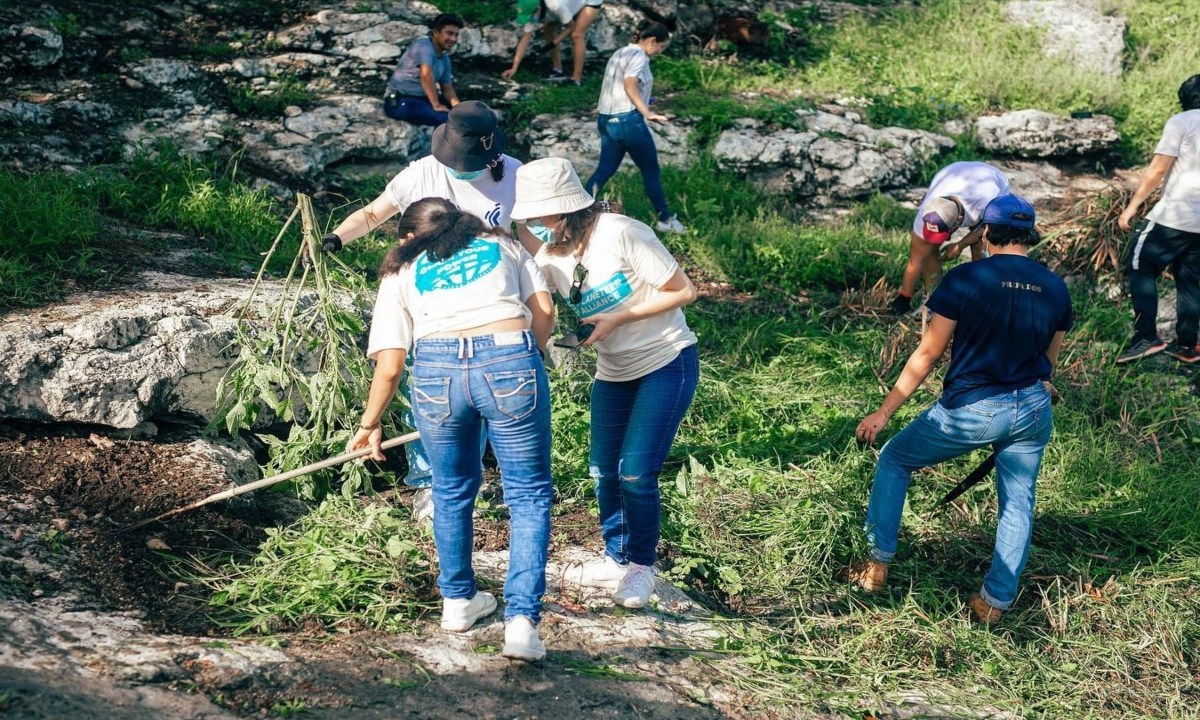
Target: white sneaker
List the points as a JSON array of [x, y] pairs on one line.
[[422, 503], [636, 586], [459, 614], [604, 573], [671, 225], [521, 641]]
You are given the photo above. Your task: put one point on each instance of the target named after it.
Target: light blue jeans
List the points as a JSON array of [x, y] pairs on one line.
[[1017, 426], [420, 475], [458, 383]]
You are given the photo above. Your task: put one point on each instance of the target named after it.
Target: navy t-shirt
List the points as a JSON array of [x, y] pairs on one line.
[[1007, 309]]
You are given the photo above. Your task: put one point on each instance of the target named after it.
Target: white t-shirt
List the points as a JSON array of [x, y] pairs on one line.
[[1179, 208], [485, 282], [975, 184], [486, 199], [629, 61], [626, 264]]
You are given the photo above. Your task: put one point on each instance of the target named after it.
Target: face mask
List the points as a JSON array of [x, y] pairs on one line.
[[466, 176], [540, 231]]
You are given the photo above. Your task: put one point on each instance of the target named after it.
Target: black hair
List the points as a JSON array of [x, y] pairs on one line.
[[576, 227], [439, 229], [1001, 235], [655, 30], [1189, 93], [445, 19], [496, 168]]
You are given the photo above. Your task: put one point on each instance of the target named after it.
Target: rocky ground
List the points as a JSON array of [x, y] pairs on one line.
[[87, 615]]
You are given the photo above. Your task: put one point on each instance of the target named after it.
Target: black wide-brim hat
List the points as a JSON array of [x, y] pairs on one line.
[[469, 139]]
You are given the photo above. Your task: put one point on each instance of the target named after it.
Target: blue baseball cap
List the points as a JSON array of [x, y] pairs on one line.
[[1011, 210]]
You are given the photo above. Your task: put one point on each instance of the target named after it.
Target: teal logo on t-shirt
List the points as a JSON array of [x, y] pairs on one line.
[[605, 296], [468, 265]]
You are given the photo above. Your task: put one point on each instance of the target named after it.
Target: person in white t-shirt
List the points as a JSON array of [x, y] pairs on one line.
[[624, 108], [1170, 236], [956, 197], [472, 307], [469, 168], [575, 18], [628, 288]]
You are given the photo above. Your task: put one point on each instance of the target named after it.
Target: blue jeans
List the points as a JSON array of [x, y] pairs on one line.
[[633, 425], [420, 475], [458, 383], [413, 110], [1017, 426], [627, 133]]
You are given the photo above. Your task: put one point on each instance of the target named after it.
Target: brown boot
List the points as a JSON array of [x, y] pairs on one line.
[[983, 613], [869, 575]]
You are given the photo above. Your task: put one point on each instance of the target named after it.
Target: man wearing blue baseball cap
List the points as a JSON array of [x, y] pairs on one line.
[[1006, 316]]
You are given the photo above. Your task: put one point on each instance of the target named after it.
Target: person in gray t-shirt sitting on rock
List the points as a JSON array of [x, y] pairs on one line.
[[424, 68]]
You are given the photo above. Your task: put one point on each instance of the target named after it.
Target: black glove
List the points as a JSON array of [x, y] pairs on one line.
[[331, 243]]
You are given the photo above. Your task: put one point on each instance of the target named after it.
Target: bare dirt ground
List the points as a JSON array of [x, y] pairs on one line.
[[91, 626]]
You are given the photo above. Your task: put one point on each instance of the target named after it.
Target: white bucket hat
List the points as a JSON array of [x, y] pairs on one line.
[[548, 187]]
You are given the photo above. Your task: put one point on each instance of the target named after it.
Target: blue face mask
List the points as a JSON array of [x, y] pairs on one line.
[[465, 176], [540, 231]]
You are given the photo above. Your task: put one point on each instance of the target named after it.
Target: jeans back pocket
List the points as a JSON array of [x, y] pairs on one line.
[[515, 391], [431, 398]]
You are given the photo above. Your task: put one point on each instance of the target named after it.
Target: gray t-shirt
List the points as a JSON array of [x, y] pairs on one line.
[[406, 78], [629, 61], [1179, 208]]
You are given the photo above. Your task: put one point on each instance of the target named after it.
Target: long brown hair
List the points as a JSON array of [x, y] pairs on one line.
[[439, 228], [576, 228]]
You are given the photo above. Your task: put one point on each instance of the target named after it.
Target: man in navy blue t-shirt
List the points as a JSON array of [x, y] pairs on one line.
[[1006, 315]]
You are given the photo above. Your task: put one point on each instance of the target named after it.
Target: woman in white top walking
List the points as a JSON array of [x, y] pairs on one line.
[[473, 305], [624, 108]]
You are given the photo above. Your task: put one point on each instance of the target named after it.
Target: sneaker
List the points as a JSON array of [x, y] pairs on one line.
[[1184, 353], [604, 573], [900, 305], [869, 575], [983, 613], [1139, 349], [521, 641], [459, 614], [636, 586], [556, 74], [422, 505], [671, 225]]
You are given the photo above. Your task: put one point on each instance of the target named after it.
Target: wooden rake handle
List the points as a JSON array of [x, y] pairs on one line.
[[275, 479]]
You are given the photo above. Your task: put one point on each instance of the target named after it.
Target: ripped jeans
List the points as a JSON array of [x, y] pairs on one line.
[[633, 425]]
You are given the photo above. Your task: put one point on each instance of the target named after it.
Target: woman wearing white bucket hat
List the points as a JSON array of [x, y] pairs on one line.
[[621, 280]]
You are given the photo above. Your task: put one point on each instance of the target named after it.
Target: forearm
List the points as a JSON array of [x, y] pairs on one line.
[[429, 86], [661, 302], [631, 92], [388, 372], [542, 322], [519, 54], [449, 94], [916, 370], [365, 219]]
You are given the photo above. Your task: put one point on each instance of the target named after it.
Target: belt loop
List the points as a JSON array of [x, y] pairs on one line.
[[528, 340], [461, 348]]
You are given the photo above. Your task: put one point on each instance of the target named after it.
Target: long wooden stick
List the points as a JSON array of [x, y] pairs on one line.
[[275, 479]]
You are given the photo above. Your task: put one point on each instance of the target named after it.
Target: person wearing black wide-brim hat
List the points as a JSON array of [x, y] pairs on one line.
[[469, 168]]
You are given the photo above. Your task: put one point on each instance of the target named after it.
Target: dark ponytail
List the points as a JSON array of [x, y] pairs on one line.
[[655, 30], [439, 229]]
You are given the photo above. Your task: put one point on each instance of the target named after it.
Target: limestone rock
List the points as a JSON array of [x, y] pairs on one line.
[[1034, 133], [1078, 31], [30, 42], [834, 157]]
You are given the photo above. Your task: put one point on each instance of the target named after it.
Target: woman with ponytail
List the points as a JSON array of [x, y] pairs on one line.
[[624, 108], [471, 305]]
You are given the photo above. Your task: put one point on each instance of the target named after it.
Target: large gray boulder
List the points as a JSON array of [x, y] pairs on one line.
[[29, 42], [1081, 32], [1034, 133], [833, 157], [124, 360]]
